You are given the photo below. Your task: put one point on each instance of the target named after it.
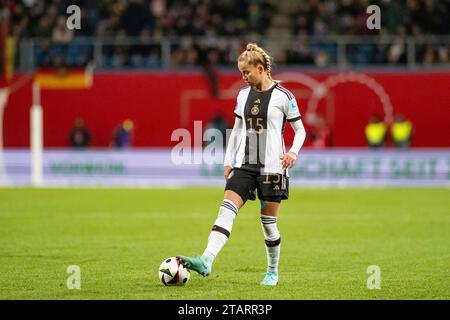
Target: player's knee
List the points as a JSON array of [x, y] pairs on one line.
[[269, 225], [269, 208], [228, 209], [234, 197], [225, 218]]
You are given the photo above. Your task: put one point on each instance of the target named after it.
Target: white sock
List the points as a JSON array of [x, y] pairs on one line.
[[221, 230], [272, 239]]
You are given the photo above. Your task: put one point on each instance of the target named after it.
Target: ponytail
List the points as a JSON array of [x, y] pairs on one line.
[[255, 55]]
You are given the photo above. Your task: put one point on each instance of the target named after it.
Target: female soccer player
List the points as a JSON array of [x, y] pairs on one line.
[[256, 159]]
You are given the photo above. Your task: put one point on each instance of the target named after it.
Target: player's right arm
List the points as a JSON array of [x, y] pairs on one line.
[[232, 147]]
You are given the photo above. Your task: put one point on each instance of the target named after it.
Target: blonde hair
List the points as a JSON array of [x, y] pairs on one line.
[[255, 55]]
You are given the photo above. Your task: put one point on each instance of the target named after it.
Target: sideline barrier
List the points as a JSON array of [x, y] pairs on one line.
[[156, 168]]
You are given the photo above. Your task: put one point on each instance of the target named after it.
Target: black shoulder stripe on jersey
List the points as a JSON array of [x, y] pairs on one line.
[[289, 94], [237, 116], [287, 91], [294, 119]]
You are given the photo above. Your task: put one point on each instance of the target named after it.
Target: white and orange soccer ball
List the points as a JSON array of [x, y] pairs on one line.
[[173, 273]]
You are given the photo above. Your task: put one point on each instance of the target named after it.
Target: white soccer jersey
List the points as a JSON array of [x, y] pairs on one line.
[[264, 113]]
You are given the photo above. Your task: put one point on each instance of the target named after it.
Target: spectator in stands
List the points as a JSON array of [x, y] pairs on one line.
[[397, 51], [209, 59], [122, 135], [375, 132], [213, 19], [186, 54], [60, 33], [443, 54], [300, 51], [43, 29], [61, 37], [321, 59], [401, 132], [429, 56], [136, 17], [79, 136]]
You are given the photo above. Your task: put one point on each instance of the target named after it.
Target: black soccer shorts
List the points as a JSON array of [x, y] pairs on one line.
[[270, 187]]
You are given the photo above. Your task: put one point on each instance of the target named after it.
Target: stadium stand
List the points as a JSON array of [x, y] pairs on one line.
[[149, 34]]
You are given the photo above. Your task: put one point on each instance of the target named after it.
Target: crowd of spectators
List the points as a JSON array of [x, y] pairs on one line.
[[399, 18], [199, 29]]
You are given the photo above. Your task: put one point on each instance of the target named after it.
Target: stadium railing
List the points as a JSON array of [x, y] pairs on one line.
[[342, 51]]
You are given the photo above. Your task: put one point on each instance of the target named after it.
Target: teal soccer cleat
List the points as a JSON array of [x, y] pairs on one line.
[[200, 264], [271, 279]]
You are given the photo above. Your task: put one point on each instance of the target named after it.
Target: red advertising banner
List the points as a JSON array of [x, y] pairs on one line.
[[160, 102]]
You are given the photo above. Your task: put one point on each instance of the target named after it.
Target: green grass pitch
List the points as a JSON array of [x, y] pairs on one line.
[[118, 237]]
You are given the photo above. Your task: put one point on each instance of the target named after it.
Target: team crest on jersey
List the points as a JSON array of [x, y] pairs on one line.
[[255, 110]]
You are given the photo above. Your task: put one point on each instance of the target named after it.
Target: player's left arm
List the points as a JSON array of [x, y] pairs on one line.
[[293, 117], [288, 159]]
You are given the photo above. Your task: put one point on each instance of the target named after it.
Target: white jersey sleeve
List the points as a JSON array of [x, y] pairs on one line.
[[236, 133], [238, 108], [300, 135], [233, 142], [291, 110]]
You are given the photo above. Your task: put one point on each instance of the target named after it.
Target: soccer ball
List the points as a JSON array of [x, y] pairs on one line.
[[173, 273]]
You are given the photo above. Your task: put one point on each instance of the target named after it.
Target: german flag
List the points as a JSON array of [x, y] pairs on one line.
[[64, 78]]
